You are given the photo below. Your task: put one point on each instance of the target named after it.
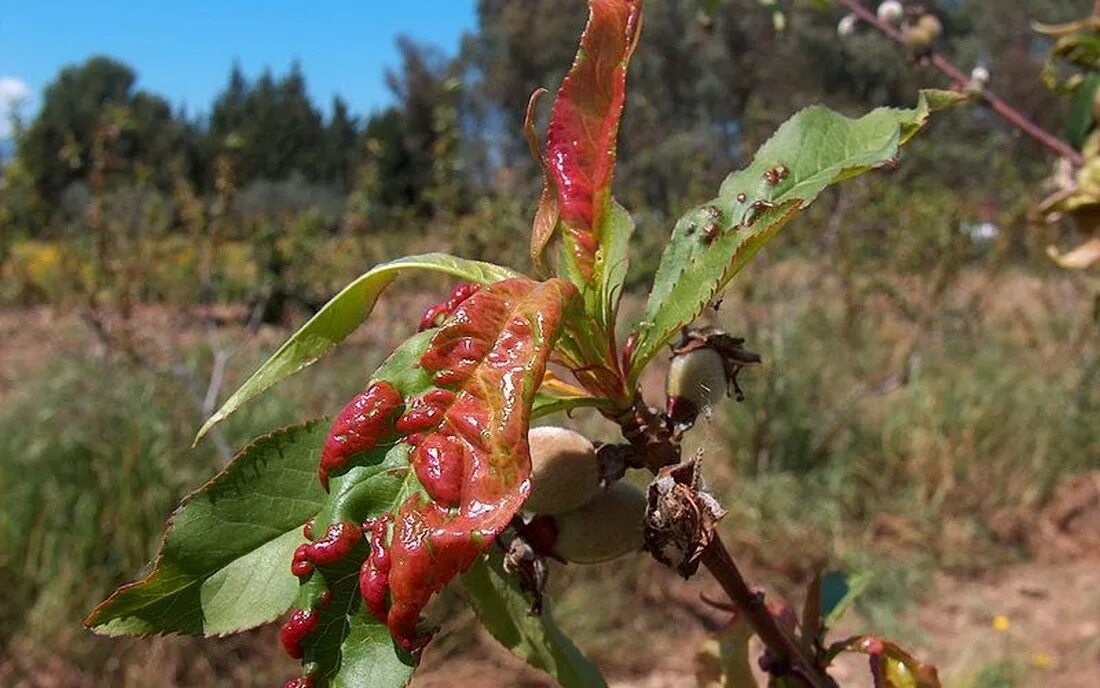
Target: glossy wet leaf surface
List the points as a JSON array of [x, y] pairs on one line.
[[341, 316]]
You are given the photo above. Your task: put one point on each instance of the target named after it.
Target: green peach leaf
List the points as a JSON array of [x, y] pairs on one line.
[[223, 565], [502, 608], [340, 316], [810, 152]]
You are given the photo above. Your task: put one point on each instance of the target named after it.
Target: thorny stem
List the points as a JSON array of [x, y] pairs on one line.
[[960, 79]]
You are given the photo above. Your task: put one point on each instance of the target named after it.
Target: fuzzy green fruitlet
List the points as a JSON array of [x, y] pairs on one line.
[[605, 528], [564, 472], [697, 380]]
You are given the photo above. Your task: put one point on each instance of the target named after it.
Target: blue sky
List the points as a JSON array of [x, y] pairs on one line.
[[184, 49]]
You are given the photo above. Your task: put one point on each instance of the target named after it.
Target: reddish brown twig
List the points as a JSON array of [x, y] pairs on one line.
[[751, 605], [655, 447], [960, 79]]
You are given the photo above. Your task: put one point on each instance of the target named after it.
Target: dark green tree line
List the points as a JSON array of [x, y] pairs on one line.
[[712, 83]]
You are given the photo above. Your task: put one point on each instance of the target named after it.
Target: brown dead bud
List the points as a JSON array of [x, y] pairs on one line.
[[681, 517], [522, 561], [653, 441], [612, 460]]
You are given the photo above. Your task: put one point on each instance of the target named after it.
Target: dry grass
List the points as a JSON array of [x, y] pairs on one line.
[[890, 430]]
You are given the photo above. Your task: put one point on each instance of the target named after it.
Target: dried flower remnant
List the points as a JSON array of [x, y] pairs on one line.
[[681, 517]]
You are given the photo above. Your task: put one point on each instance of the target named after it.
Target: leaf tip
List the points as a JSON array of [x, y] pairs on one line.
[[207, 427]]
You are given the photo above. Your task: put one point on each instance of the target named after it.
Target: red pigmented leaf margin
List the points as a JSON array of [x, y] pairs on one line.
[[584, 123], [469, 438]]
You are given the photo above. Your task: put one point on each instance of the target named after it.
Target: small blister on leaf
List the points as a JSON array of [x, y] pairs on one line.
[[711, 243]]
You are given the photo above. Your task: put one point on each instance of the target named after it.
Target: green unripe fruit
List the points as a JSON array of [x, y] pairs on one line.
[[564, 471], [605, 528], [697, 380]]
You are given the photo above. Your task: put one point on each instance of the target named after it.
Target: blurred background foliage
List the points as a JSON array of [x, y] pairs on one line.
[[930, 379], [706, 90]]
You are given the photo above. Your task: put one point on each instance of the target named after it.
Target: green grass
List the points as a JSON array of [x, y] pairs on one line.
[[820, 466], [94, 456], [826, 464]]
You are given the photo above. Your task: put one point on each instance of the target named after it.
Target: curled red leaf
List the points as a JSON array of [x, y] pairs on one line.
[[584, 126]]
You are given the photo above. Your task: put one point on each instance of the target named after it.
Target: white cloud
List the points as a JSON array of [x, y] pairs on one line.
[[14, 92]]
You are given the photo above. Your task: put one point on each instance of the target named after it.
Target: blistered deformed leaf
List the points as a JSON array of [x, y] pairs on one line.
[[584, 122], [435, 489], [222, 566], [470, 438], [350, 647], [710, 244], [341, 316], [579, 163], [503, 610]]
